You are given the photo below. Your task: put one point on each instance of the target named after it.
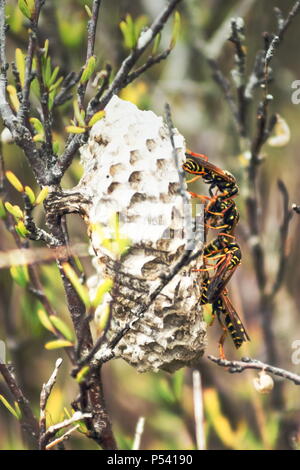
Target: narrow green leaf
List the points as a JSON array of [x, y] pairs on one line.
[[18, 410], [46, 47], [75, 130], [80, 289], [24, 8], [57, 344], [78, 114], [14, 210], [21, 229], [128, 31], [55, 147], [88, 69], [104, 287], [14, 181], [20, 64], [44, 319], [176, 29], [97, 116], [53, 76], [30, 194], [38, 126], [20, 275], [9, 407], [156, 44], [62, 327], [42, 196], [2, 210], [56, 84], [88, 10], [82, 374]]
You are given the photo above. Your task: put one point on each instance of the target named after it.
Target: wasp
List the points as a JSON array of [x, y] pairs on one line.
[[220, 214]]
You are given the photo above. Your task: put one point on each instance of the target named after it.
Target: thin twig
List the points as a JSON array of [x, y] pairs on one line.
[[45, 394], [198, 410], [29, 424], [248, 363], [138, 433], [62, 438]]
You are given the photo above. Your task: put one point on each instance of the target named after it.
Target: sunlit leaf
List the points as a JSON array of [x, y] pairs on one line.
[[9, 407], [104, 287], [21, 229], [62, 327], [75, 281], [42, 195], [88, 69], [176, 29], [2, 210], [57, 344], [44, 319], [14, 181], [20, 275], [14, 210], [20, 64], [82, 374], [12, 93], [30, 194], [75, 130], [97, 116]]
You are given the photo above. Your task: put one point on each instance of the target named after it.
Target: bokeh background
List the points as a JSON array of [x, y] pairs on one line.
[[236, 416]]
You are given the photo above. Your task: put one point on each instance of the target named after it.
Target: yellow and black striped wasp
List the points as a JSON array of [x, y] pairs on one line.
[[220, 213]]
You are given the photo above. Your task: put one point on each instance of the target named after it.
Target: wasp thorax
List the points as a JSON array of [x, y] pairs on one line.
[[130, 176]]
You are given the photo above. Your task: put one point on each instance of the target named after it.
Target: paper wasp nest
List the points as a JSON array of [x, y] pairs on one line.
[[129, 169]]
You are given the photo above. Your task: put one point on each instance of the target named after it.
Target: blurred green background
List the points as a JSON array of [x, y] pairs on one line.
[[236, 416]]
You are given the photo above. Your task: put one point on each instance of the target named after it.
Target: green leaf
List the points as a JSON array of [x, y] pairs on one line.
[[75, 130], [14, 181], [18, 410], [88, 69], [104, 287], [20, 275], [2, 210], [29, 192], [9, 407], [128, 31], [82, 374], [46, 47], [47, 72], [56, 84], [74, 279], [62, 327], [44, 319], [176, 29], [99, 115], [55, 147], [24, 8], [14, 210], [78, 113], [42, 195], [21, 229], [39, 129], [53, 76], [88, 10], [57, 344], [20, 64], [156, 44]]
